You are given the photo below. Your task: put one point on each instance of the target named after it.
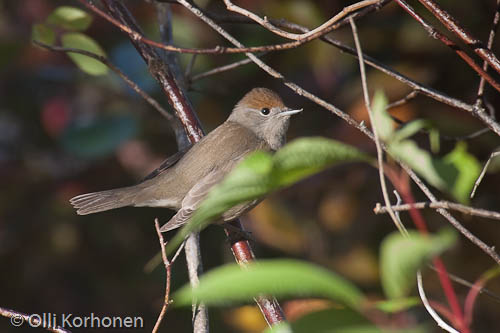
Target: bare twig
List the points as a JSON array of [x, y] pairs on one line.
[[491, 38], [168, 270], [483, 172], [139, 37], [428, 307], [452, 25], [18, 318], [379, 209], [404, 100], [380, 156], [221, 69], [269, 26], [433, 32]]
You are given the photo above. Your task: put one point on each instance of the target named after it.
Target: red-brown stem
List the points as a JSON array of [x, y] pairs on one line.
[[452, 25], [445, 40], [402, 185], [243, 254]]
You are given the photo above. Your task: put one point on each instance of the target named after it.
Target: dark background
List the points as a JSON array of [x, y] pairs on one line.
[[64, 133]]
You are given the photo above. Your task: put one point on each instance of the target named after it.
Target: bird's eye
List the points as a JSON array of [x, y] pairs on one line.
[[265, 111]]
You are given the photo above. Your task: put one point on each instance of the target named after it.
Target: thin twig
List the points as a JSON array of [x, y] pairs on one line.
[[139, 37], [404, 100], [379, 209], [429, 309], [222, 69], [491, 38], [483, 172], [17, 319], [269, 26], [380, 154], [434, 33], [168, 269], [452, 25]]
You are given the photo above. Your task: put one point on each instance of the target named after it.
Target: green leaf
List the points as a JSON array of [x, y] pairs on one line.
[[329, 320], [383, 121], [280, 278], [70, 18], [80, 41], [261, 173], [410, 129], [468, 170], [43, 33], [304, 157], [397, 304], [401, 257], [434, 171]]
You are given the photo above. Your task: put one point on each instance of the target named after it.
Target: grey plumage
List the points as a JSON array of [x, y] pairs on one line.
[[184, 180]]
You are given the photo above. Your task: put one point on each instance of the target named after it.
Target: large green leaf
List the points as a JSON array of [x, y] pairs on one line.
[[70, 18], [280, 278], [337, 321], [87, 64], [401, 257], [261, 173]]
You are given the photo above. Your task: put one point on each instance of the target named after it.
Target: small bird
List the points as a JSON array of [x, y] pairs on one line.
[[259, 121]]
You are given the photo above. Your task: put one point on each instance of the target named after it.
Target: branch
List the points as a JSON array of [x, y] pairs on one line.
[[269, 26], [18, 318], [452, 25], [491, 38], [434, 33], [379, 209]]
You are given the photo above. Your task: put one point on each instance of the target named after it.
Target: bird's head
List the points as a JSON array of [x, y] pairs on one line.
[[262, 111]]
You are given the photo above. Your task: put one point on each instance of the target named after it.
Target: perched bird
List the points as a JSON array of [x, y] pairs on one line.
[[259, 121]]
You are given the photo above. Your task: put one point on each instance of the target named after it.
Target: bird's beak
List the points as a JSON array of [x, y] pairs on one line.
[[290, 112]]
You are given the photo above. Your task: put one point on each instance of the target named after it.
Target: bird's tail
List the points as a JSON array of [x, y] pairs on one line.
[[95, 202]]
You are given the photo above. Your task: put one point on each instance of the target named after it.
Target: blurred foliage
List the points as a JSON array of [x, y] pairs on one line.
[[63, 133]]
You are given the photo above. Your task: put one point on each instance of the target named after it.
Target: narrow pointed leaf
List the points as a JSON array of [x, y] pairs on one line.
[[280, 278], [383, 122]]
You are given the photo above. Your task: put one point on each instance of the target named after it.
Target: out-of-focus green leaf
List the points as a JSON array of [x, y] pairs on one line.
[[397, 304], [80, 41], [400, 258], [410, 129], [468, 170], [261, 173], [99, 138], [70, 18], [383, 122], [331, 320], [43, 33], [437, 173], [279, 278]]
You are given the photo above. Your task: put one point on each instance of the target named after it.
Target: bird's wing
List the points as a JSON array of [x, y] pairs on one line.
[[196, 195], [168, 163]]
